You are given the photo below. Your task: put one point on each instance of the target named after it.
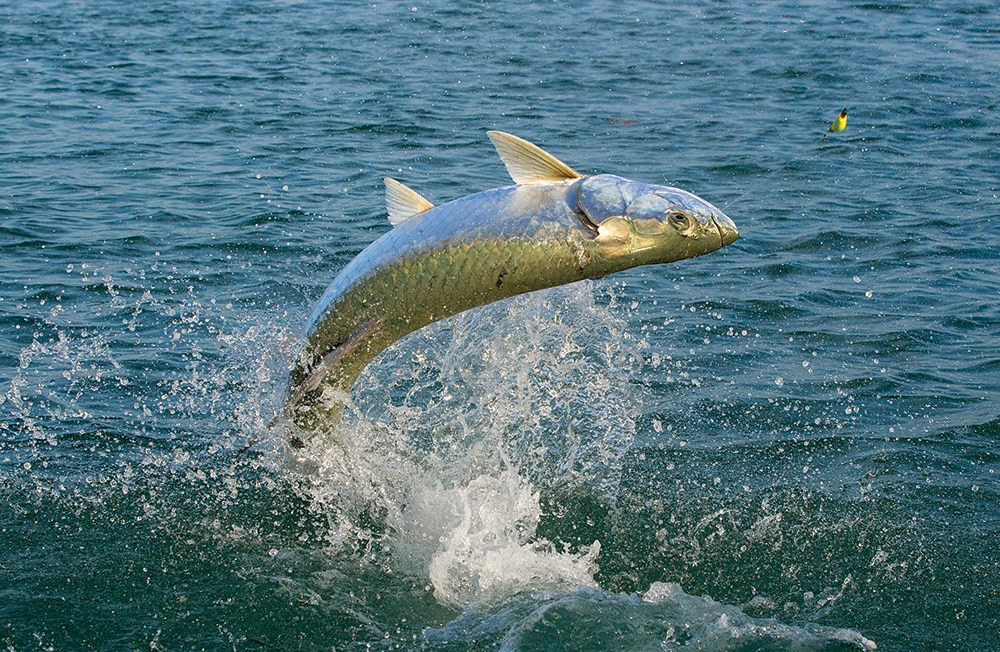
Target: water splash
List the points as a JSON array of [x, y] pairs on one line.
[[462, 445], [488, 549], [454, 435]]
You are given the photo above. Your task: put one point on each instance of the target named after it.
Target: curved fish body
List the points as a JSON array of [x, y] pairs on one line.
[[553, 227]]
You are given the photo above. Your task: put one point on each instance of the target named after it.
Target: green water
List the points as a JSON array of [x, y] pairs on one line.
[[789, 444]]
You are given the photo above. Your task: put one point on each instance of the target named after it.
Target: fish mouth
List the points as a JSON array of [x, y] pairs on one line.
[[728, 233]]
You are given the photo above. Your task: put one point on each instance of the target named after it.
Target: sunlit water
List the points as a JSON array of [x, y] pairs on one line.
[[789, 444]]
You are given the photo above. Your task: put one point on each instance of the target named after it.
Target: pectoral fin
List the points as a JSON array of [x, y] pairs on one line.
[[528, 163]]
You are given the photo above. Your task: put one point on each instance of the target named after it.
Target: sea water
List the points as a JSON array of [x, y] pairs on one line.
[[789, 444]]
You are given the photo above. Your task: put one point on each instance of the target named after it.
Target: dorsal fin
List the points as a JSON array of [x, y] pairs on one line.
[[403, 202], [529, 163]]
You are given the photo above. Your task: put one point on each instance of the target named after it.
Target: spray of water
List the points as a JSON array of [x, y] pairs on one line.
[[452, 449], [453, 437]]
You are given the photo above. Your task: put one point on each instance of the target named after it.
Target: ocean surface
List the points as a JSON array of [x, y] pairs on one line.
[[789, 444]]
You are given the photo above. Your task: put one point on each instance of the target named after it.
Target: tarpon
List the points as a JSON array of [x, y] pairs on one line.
[[554, 226]]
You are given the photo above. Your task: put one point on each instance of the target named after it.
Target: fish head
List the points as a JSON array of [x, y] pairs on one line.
[[635, 223]]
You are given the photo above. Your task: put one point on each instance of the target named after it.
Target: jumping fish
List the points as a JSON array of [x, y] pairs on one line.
[[554, 226]]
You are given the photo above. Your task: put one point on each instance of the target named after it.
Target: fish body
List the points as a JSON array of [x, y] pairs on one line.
[[554, 226]]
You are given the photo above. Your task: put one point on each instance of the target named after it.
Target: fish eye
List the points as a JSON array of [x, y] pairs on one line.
[[679, 221]]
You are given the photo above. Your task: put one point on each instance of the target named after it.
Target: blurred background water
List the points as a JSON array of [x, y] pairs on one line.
[[789, 444]]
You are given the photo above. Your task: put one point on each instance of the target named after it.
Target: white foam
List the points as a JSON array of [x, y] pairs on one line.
[[486, 548], [451, 438]]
